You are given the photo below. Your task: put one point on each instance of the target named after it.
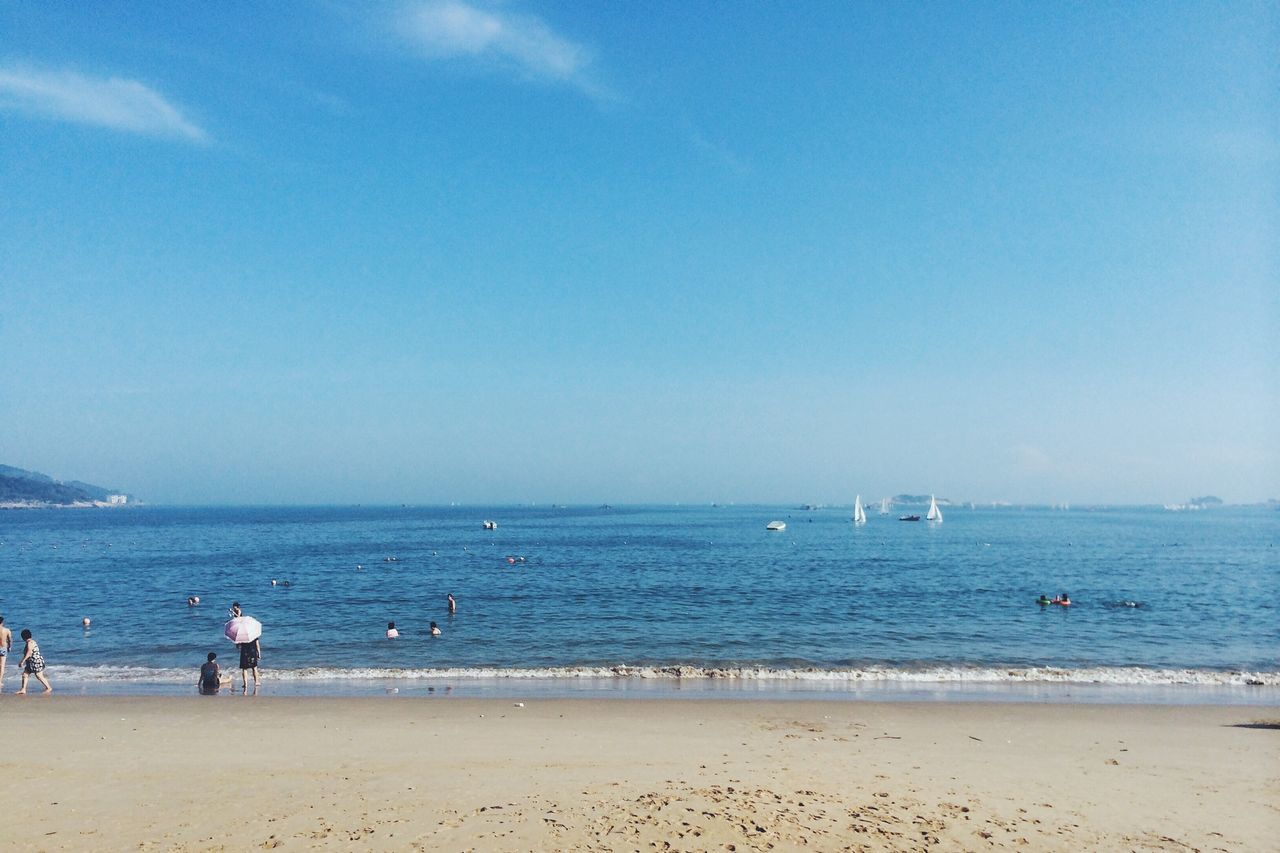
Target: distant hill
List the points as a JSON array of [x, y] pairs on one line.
[[917, 499], [31, 488]]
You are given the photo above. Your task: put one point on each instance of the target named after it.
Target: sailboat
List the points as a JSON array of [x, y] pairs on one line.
[[859, 514], [935, 514], [884, 506]]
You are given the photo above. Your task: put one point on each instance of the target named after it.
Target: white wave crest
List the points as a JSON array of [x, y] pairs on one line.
[[1121, 675]]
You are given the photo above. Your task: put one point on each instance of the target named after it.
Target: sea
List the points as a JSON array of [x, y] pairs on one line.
[[658, 601]]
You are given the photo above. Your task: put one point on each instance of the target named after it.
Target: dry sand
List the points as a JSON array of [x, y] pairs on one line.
[[241, 773]]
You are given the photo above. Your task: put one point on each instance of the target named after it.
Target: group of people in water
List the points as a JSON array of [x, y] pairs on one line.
[[1061, 599], [393, 632], [212, 679]]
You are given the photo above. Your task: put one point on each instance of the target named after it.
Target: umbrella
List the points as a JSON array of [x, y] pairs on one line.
[[242, 629]]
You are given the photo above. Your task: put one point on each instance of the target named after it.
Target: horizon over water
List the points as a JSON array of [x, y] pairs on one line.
[[659, 600]]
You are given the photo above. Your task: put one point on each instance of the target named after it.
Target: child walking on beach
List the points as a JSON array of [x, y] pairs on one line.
[[32, 663]]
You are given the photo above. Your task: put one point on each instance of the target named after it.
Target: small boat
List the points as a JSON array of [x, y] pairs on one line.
[[776, 526], [859, 514], [908, 518], [935, 514], [490, 525]]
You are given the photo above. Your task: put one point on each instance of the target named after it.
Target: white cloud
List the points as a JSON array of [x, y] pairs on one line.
[[112, 102], [450, 29]]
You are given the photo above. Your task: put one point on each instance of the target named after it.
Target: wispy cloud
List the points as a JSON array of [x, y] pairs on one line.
[[448, 29], [113, 102]]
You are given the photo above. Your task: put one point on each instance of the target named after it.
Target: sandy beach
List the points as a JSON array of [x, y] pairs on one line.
[[240, 773]]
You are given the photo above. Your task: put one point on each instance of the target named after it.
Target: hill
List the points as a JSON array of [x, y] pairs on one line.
[[19, 487]]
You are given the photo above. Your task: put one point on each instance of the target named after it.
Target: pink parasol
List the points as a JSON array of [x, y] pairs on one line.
[[242, 629]]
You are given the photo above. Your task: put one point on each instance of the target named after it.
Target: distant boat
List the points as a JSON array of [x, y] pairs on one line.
[[935, 514], [859, 514], [884, 506], [776, 525], [908, 518]]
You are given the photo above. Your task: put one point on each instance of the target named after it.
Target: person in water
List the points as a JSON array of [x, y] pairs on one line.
[[1043, 600], [392, 633], [32, 663], [435, 630], [1063, 599], [211, 679], [453, 605]]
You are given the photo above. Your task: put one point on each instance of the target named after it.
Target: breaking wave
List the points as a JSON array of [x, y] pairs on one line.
[[829, 678]]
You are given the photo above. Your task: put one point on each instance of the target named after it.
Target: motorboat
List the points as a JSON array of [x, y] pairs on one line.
[[776, 526], [908, 518]]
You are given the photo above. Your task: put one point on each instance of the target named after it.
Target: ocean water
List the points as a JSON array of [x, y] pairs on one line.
[[645, 598]]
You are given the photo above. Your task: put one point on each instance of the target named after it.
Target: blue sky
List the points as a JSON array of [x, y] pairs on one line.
[[525, 251]]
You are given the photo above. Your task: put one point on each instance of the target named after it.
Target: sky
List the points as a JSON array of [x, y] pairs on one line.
[[529, 251]]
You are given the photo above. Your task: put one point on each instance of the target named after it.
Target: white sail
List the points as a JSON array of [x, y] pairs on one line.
[[859, 514], [935, 514], [884, 506]]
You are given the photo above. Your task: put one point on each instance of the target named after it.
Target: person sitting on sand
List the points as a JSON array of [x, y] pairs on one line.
[[32, 663], [211, 678], [435, 630], [392, 633]]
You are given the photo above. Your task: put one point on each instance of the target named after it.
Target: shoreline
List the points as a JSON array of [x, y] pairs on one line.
[[192, 773], [733, 690]]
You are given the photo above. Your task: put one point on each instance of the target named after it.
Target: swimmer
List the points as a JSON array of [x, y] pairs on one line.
[[84, 623], [453, 605], [1043, 600], [1063, 599], [392, 633], [435, 630], [193, 600]]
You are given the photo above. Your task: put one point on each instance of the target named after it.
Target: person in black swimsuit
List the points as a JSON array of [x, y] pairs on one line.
[[211, 677]]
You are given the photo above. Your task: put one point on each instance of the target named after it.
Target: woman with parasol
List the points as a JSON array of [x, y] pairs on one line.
[[246, 633]]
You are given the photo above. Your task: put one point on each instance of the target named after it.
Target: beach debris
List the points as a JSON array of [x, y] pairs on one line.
[[978, 739], [519, 704]]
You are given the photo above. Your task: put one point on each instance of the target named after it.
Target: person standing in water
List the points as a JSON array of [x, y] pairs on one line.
[[250, 653], [6, 645], [453, 605], [32, 663]]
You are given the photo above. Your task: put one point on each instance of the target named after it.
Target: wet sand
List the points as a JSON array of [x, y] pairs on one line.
[[251, 773]]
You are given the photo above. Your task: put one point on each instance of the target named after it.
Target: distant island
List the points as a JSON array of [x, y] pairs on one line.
[[918, 499], [22, 489]]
